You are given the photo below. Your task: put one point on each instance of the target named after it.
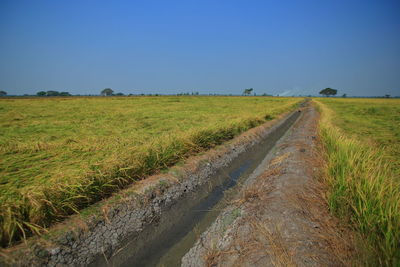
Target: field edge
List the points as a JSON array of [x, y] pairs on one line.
[[362, 190]]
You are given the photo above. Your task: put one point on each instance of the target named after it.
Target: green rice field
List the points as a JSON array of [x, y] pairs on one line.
[[361, 138], [59, 155]]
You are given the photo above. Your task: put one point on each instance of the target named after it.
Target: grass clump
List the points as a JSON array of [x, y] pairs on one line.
[[364, 184], [61, 155]]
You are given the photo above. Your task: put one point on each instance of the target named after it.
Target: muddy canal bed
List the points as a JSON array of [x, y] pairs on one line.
[[254, 201], [189, 216], [155, 221], [280, 216]]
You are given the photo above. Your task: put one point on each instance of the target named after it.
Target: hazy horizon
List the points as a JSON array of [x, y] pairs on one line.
[[276, 47]]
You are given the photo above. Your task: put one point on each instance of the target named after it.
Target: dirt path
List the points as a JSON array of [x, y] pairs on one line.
[[281, 217]]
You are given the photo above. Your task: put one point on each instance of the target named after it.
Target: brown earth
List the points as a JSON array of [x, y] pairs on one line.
[[127, 222], [281, 217]]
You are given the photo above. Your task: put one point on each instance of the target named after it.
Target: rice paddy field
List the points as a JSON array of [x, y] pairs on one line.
[[59, 155], [361, 138]]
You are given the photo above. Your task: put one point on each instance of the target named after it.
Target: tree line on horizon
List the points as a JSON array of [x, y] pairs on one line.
[[331, 92], [52, 93], [110, 92]]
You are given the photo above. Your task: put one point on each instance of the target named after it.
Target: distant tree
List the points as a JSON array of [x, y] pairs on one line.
[[247, 91], [387, 96], [119, 94], [52, 93], [3, 93], [107, 92], [328, 92], [65, 94], [344, 95], [41, 93], [187, 93]]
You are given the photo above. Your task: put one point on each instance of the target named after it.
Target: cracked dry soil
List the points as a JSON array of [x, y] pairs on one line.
[[280, 217]]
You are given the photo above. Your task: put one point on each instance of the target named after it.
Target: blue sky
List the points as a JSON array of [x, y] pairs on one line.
[[276, 47]]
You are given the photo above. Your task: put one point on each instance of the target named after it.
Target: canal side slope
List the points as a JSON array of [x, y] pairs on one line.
[[280, 218], [130, 222]]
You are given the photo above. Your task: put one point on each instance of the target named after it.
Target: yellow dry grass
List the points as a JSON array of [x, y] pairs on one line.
[[59, 155]]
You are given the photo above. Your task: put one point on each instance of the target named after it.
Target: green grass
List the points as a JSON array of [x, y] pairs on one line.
[[362, 141], [59, 155], [374, 121]]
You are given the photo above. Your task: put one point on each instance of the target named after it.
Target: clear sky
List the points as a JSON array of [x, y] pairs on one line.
[[275, 47]]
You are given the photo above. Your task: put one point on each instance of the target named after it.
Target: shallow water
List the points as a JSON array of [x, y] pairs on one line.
[[189, 217]]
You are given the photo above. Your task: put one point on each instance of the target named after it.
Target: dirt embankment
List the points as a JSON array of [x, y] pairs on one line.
[[281, 217], [129, 223]]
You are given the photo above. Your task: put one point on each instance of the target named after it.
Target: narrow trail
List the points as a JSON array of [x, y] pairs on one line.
[[280, 218]]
